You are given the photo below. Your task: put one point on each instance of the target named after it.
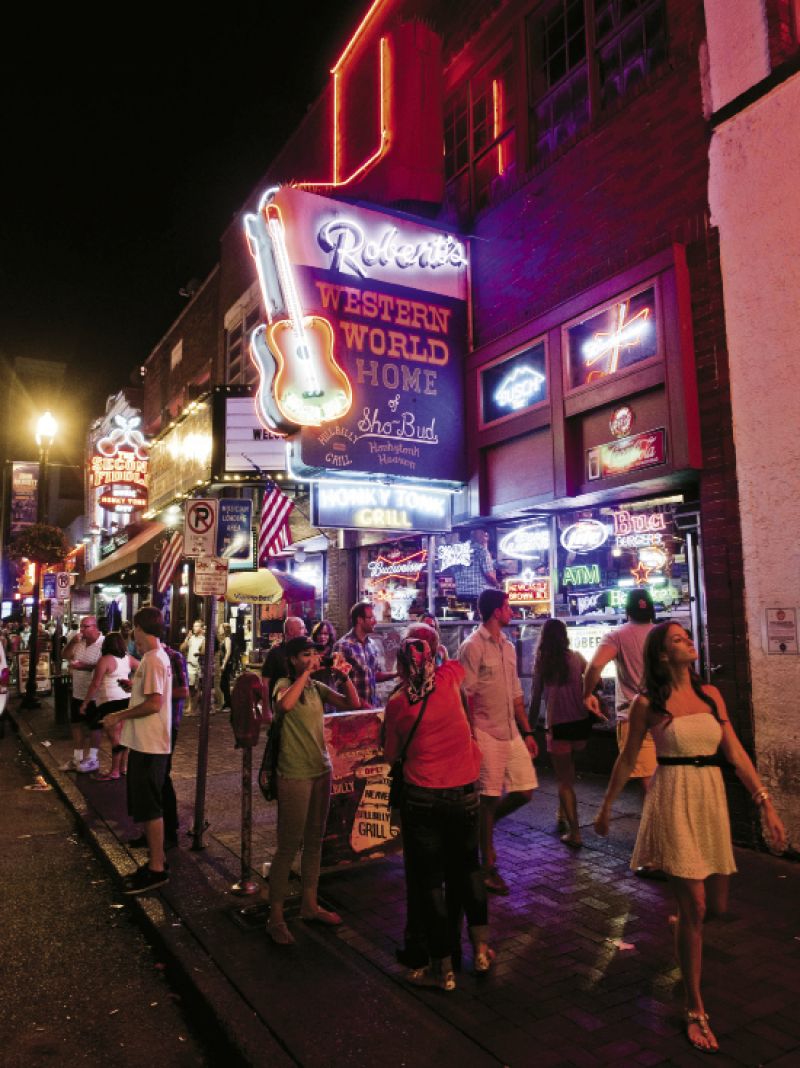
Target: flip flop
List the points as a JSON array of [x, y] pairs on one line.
[[103, 776]]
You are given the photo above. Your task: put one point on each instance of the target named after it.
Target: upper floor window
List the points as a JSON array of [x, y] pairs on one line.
[[479, 143], [584, 55], [239, 368]]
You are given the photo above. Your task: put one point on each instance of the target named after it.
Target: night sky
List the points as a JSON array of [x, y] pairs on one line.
[[126, 152]]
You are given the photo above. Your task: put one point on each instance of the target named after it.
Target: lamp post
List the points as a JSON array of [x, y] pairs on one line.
[[46, 429]]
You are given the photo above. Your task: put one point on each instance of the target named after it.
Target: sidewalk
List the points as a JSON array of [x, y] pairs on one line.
[[584, 976]]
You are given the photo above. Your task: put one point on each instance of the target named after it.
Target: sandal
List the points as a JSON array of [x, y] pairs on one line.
[[323, 916], [482, 960], [700, 1021], [103, 776], [280, 933]]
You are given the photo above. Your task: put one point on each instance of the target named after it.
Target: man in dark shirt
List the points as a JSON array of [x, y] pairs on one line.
[[275, 665]]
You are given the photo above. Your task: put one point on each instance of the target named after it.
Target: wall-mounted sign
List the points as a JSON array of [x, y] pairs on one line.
[[370, 506], [391, 294], [24, 490], [526, 543], [613, 340], [581, 575], [584, 536], [402, 567], [780, 631], [527, 588], [458, 555], [621, 422], [211, 577], [120, 466], [620, 457], [248, 446], [514, 384]]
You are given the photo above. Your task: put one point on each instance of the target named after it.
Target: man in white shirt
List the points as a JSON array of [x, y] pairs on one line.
[[146, 732], [497, 710], [82, 652]]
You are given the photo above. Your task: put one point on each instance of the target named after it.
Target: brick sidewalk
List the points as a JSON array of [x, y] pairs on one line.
[[585, 973]]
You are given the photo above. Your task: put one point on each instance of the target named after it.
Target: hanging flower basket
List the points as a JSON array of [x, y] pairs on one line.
[[40, 542]]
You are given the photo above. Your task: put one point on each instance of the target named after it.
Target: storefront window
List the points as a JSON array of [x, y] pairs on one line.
[[612, 340], [523, 565], [603, 553], [394, 578]]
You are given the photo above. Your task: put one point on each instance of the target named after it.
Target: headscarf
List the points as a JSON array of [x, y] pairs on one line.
[[419, 668]]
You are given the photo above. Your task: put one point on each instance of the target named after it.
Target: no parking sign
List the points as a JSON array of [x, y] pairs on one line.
[[200, 528]]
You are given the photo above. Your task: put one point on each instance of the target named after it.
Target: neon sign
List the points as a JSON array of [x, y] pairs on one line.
[[121, 460], [368, 506], [581, 575], [527, 588], [637, 530], [352, 253], [526, 543], [518, 388], [584, 536], [459, 555], [406, 567], [608, 345], [641, 573], [298, 372]]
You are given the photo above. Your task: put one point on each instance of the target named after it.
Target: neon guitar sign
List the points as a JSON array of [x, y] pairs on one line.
[[300, 382]]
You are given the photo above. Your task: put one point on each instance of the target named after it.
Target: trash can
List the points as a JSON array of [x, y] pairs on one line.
[[62, 691]]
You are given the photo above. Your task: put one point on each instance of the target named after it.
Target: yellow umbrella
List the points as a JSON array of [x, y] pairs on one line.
[[253, 587]]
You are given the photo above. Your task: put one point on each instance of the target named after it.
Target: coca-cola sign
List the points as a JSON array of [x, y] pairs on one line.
[[620, 457]]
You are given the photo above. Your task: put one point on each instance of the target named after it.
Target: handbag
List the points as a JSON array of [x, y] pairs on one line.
[[396, 777], [268, 772], [576, 730]]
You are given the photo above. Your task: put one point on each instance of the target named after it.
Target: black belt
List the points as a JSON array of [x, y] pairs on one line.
[[447, 793], [713, 761]]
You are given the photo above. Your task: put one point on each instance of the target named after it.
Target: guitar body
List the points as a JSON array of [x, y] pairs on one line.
[[308, 387]]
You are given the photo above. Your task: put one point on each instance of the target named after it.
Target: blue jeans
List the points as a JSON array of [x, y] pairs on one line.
[[440, 837]]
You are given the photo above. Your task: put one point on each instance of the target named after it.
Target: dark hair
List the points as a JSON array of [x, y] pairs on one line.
[[657, 681], [358, 611], [552, 659], [150, 620], [318, 628], [489, 601], [639, 606], [113, 645]]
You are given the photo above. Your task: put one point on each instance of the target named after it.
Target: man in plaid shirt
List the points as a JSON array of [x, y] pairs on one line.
[[361, 653], [473, 578]]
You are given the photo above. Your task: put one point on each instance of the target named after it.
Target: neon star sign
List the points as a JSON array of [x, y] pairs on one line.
[[608, 344], [518, 388]]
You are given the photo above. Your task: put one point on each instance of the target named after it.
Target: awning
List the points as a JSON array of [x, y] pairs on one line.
[[140, 549], [266, 587]]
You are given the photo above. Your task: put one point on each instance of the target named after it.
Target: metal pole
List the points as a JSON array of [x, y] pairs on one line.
[[246, 885], [205, 716], [31, 700]]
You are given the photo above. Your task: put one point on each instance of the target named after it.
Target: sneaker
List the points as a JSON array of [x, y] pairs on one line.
[[427, 976], [70, 765], [143, 879], [89, 764], [495, 883]]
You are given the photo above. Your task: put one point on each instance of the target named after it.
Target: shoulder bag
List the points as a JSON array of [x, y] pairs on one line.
[[396, 779], [268, 772]]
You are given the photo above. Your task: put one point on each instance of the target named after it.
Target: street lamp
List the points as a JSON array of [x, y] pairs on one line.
[[46, 429]]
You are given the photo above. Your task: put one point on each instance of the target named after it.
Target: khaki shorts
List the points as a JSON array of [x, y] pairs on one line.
[[506, 765], [646, 762]]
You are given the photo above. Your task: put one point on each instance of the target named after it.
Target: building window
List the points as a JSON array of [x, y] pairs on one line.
[[240, 369], [583, 55], [513, 384], [479, 142], [612, 339]]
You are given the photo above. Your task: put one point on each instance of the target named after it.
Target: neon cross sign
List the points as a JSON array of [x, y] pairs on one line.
[[625, 333]]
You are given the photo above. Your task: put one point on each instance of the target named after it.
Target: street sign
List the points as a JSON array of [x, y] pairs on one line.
[[234, 529], [200, 530], [210, 577], [48, 586], [62, 585]]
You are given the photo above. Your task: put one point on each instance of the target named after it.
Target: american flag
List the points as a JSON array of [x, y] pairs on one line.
[[171, 555], [273, 531]]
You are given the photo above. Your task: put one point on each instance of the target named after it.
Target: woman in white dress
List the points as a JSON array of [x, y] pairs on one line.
[[685, 829]]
